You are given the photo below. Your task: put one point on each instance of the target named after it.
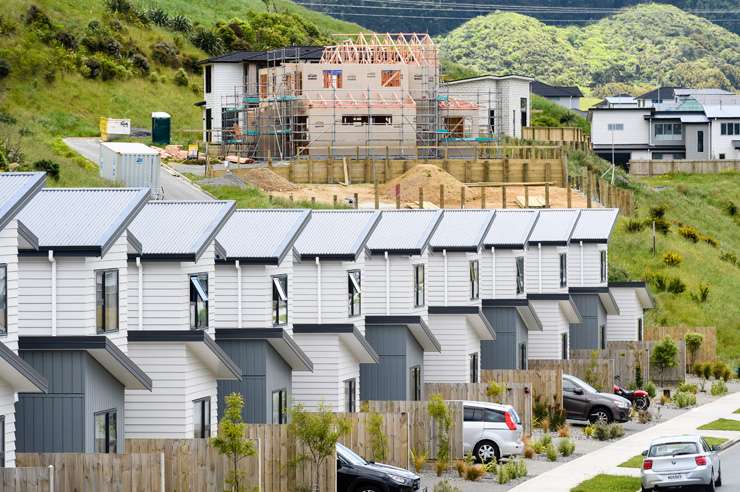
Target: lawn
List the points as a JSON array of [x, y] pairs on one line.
[[722, 425], [251, 197], [636, 461], [608, 483]]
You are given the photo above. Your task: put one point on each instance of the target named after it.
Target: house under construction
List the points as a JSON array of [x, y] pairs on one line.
[[368, 95]]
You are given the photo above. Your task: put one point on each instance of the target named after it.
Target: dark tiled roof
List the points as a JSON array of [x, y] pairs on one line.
[[547, 90]]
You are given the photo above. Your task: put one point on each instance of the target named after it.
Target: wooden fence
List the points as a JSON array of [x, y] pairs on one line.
[[572, 136], [657, 167], [602, 370], [708, 350], [35, 479], [547, 384], [601, 191], [395, 427], [627, 357], [75, 472], [423, 435]]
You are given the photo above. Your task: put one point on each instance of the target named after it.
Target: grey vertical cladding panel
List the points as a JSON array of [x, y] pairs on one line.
[[503, 352], [387, 339], [385, 380], [279, 375], [522, 338], [249, 355], [103, 392], [63, 369], [414, 357], [586, 335], [50, 423], [252, 389]]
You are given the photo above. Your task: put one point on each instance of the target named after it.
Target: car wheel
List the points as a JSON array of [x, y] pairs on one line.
[[486, 451], [642, 403], [367, 488], [601, 415], [710, 486], [718, 482]]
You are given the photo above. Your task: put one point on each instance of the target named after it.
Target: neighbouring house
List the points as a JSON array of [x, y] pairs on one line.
[[172, 294], [328, 317], [568, 97], [546, 283], [72, 318], [254, 321], [395, 305], [633, 298], [503, 290], [453, 285], [16, 375], [501, 105], [588, 277]]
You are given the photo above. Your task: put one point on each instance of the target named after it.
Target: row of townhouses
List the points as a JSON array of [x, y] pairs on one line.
[[128, 318]]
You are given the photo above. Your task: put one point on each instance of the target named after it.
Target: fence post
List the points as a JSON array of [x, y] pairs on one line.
[[161, 473], [334, 201], [483, 197], [441, 196], [462, 197], [503, 196], [525, 172], [51, 478], [398, 195], [547, 194], [569, 193], [588, 189], [506, 170], [313, 201], [421, 197], [526, 196], [375, 191], [357, 200]]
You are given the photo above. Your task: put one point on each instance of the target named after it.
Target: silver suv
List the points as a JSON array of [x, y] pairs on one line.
[[680, 461], [491, 430]]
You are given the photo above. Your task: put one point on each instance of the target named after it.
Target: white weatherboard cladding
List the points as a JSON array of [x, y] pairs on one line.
[[401, 285], [458, 279], [723, 144], [9, 258], [227, 79], [623, 326], [550, 269], [458, 340], [333, 363], [178, 378], [167, 292], [636, 129], [256, 289], [334, 305], [7, 410], [75, 293], [589, 256], [505, 278], [546, 344]]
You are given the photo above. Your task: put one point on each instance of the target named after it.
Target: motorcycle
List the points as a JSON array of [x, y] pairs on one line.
[[639, 398]]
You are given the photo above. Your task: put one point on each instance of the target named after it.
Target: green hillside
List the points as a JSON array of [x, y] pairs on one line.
[[647, 44]]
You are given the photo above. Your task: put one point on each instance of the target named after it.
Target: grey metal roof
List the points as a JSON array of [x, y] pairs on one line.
[[720, 106], [89, 220], [595, 224], [554, 226], [178, 229], [461, 230], [403, 231], [336, 234], [16, 189], [260, 235], [510, 228]]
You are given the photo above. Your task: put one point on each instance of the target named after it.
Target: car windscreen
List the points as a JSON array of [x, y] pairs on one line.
[[583, 384], [350, 456], [673, 449]]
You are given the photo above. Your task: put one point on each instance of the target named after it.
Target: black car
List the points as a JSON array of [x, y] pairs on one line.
[[355, 474]]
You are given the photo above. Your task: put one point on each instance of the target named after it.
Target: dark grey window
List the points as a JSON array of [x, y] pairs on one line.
[[419, 295], [563, 270], [354, 120], [730, 128], [208, 79], [209, 124], [492, 120], [280, 300], [350, 395], [523, 356], [667, 131], [474, 280], [603, 337], [354, 292], [199, 301], [202, 418], [3, 300], [519, 274], [722, 156], [523, 108], [280, 406], [2, 441], [603, 267], [106, 432], [106, 300], [415, 382], [639, 329], [382, 119], [700, 141], [493, 416], [472, 414], [473, 358], [564, 346]]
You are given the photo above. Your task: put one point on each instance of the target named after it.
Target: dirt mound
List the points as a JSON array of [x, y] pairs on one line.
[[428, 177], [265, 178]]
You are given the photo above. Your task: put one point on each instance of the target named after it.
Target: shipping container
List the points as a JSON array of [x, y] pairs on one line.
[[132, 164]]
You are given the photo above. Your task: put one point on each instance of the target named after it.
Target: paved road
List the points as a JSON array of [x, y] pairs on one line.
[[175, 187], [731, 468]]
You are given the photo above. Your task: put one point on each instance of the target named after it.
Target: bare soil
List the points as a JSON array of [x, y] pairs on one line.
[[429, 178], [264, 178]]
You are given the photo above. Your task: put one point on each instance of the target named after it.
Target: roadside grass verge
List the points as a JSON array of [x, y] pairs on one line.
[[722, 425], [608, 483], [636, 461]]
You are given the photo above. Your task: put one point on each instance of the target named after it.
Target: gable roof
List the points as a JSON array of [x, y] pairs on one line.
[[261, 236], [487, 77], [461, 230], [336, 234], [510, 228], [403, 231], [83, 220], [659, 94], [547, 90], [595, 225], [554, 226], [179, 230], [16, 190]]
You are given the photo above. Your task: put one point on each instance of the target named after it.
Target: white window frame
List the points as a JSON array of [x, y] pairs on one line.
[[102, 324]]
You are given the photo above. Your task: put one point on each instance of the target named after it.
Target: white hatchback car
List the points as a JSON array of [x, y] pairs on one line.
[[491, 430], [680, 461]]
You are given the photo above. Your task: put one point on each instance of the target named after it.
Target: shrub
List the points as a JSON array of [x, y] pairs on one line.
[[378, 438], [731, 208], [718, 388], [190, 63], [672, 258], [140, 63], [494, 390], [589, 430], [644, 416], [521, 468], [110, 70], [710, 241], [634, 225], [718, 368], [665, 399], [7, 26], [728, 256], [474, 473], [657, 280], [694, 340], [180, 23], [67, 40], [440, 467], [638, 377], [460, 465], [438, 410], [697, 369], [207, 41], [538, 447], [689, 232], [123, 7], [158, 16], [600, 431], [651, 389], [556, 417], [4, 68], [707, 370], [166, 53], [657, 212], [687, 388], [551, 452], [445, 486], [181, 78], [702, 294], [503, 475], [683, 399], [727, 374], [566, 447], [529, 452], [564, 430], [546, 439], [676, 285], [665, 355], [615, 430], [419, 458], [661, 225], [51, 168]]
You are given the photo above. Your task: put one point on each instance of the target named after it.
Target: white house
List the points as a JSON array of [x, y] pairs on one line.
[[455, 315], [254, 323], [633, 298], [328, 322], [546, 281], [171, 292], [16, 375], [72, 305], [395, 305]]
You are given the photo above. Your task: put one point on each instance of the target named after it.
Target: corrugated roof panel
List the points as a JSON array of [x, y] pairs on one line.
[[260, 234], [336, 233], [15, 190], [511, 227], [595, 224], [554, 226], [461, 229], [403, 230], [179, 227], [81, 217]]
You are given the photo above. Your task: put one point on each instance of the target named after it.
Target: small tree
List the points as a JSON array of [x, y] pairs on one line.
[[693, 343], [378, 438], [440, 413], [231, 440], [319, 432], [665, 355]]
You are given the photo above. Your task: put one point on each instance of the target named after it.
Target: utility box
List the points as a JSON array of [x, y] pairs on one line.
[[133, 164], [161, 128]]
